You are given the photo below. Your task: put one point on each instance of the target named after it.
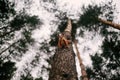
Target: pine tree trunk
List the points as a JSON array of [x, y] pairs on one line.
[[63, 64], [114, 25], [83, 71]]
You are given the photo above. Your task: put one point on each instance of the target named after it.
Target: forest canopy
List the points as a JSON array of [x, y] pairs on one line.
[[29, 36]]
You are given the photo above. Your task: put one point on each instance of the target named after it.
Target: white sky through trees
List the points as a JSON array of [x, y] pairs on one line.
[[87, 45]]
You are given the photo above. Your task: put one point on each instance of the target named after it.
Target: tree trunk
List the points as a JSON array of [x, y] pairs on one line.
[[114, 25], [83, 71], [8, 47], [63, 63]]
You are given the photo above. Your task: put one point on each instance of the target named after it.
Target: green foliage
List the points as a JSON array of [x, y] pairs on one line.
[[6, 9], [54, 39], [96, 61], [22, 22], [106, 65], [45, 47], [89, 18], [27, 36], [22, 19], [26, 23], [114, 46], [39, 78], [12, 23], [6, 70], [27, 77]]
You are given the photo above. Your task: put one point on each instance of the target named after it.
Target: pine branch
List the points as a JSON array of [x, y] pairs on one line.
[[114, 25]]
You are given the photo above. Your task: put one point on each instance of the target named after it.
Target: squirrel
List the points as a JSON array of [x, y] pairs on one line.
[[63, 42]]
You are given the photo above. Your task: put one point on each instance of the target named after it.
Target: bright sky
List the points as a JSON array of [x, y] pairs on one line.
[[86, 45]]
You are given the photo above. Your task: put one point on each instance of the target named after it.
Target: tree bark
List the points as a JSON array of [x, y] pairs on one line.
[[63, 63], [114, 25], [83, 71]]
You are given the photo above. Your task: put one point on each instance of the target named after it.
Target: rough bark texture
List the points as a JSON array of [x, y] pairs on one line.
[[83, 71], [63, 64], [114, 25]]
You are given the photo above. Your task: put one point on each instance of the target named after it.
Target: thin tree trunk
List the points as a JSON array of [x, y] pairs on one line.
[[83, 71], [114, 25], [63, 63], [8, 47]]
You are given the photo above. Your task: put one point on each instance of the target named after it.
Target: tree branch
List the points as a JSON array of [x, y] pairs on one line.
[[114, 25]]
